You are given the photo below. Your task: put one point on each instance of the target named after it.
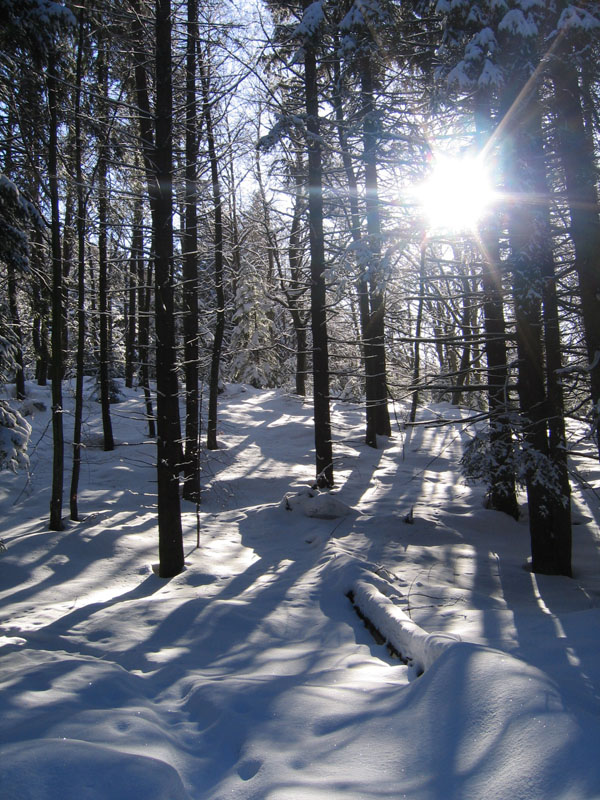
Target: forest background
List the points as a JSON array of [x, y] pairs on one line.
[[199, 192]]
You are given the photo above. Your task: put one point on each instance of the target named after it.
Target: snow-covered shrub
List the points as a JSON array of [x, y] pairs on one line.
[[14, 438], [483, 456], [16, 215], [14, 429]]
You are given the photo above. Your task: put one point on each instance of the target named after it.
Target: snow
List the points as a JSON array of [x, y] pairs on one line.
[[312, 19], [250, 675], [491, 75], [515, 22], [574, 18]]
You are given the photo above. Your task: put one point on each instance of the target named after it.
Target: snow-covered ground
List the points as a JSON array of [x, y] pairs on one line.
[[250, 675]]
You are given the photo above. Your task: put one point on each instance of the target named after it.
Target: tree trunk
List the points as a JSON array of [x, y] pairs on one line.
[[105, 357], [296, 290], [191, 468], [219, 272], [39, 331], [157, 148], [502, 490], [323, 443], [57, 305], [416, 376], [17, 334], [131, 317], [11, 280], [376, 329], [80, 227], [362, 288], [170, 538], [145, 279], [502, 494], [466, 331], [531, 260]]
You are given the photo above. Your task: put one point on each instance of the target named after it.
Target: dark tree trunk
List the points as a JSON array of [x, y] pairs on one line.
[[170, 541], [67, 257], [502, 494], [539, 392], [131, 317], [144, 300], [219, 271], [145, 281], [103, 278], [323, 443], [502, 490], [80, 227], [362, 288], [296, 286], [16, 329], [296, 289], [466, 331], [157, 148], [57, 305], [375, 362], [11, 280], [39, 331], [416, 375], [191, 485]]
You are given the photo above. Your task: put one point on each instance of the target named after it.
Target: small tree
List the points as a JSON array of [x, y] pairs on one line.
[[16, 214]]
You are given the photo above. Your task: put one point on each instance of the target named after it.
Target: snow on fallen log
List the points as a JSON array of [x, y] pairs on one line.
[[398, 629], [376, 599]]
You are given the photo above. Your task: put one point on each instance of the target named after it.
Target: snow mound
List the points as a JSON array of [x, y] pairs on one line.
[[313, 503], [489, 725], [46, 769]]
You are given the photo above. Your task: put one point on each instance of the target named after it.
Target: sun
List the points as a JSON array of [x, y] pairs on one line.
[[456, 194]]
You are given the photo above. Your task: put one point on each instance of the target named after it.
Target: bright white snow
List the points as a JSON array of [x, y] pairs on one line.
[[250, 676]]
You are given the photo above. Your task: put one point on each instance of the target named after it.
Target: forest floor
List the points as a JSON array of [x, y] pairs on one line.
[[250, 676]]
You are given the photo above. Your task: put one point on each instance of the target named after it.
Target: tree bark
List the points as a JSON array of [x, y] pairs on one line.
[[191, 467], [539, 391], [57, 304], [502, 494], [296, 289], [418, 323], [145, 279], [219, 271], [81, 320], [103, 279], [362, 288], [131, 315], [320, 343], [170, 538], [375, 362]]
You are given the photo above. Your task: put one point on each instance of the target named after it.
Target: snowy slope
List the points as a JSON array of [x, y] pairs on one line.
[[251, 675]]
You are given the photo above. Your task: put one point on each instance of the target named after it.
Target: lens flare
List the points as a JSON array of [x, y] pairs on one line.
[[455, 196]]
